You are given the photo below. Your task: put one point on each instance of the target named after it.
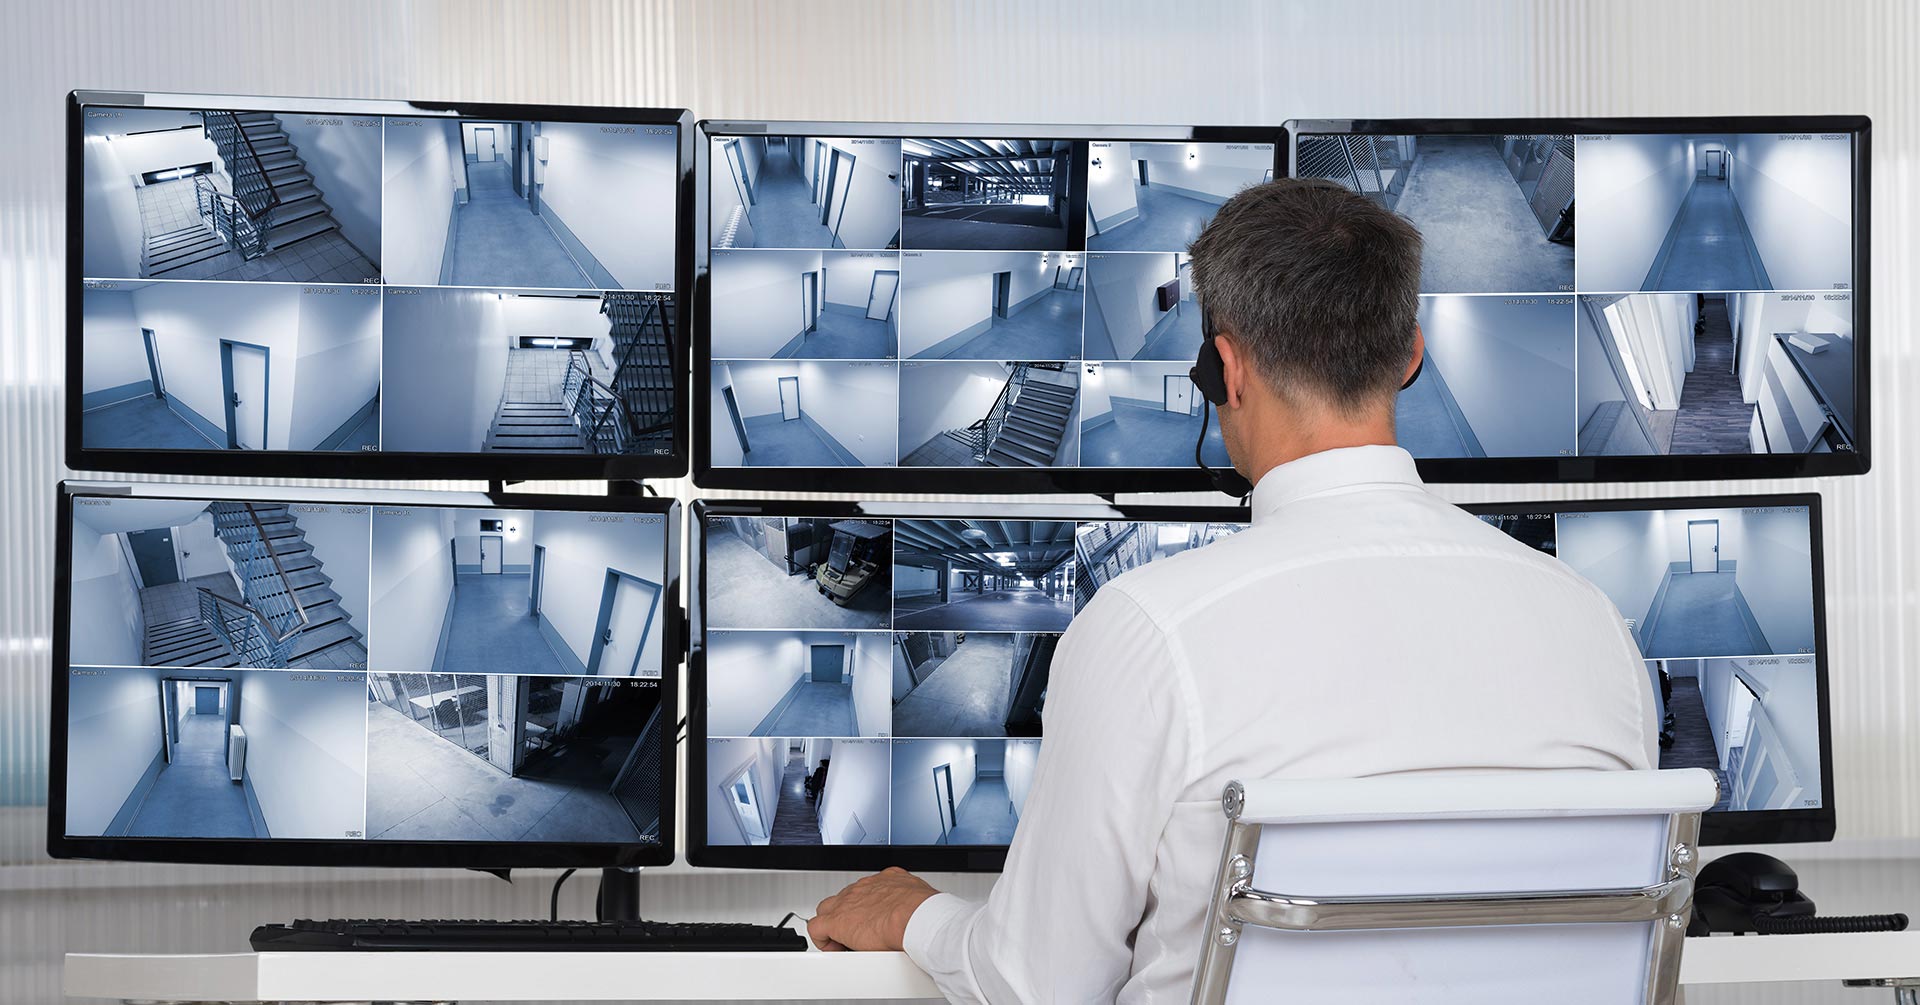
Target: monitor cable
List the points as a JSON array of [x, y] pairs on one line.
[[553, 903]]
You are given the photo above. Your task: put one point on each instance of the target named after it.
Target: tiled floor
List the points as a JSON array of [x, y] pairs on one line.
[[1714, 415], [813, 708], [943, 451], [535, 375], [1480, 235], [1178, 339], [1168, 221], [323, 258], [985, 816], [181, 601], [196, 796], [1146, 437], [141, 424], [748, 591], [1709, 244], [492, 628], [1047, 329], [787, 443], [498, 241], [846, 333], [421, 787], [966, 695], [1000, 611], [1701, 617], [795, 818], [983, 228], [784, 214]]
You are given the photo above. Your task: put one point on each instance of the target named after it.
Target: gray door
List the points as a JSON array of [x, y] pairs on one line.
[[1002, 293], [153, 555], [733, 412], [809, 301], [828, 663], [153, 363], [206, 700]]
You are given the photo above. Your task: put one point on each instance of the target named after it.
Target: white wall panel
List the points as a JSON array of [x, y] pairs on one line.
[[1226, 61]]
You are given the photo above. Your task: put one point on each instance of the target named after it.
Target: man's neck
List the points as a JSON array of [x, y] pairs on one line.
[[1270, 452]]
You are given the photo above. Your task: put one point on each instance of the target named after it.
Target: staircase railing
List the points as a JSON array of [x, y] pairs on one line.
[[264, 625], [597, 411], [254, 194], [988, 428], [643, 362]]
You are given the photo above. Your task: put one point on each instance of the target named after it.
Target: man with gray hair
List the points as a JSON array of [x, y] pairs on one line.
[[1361, 627]]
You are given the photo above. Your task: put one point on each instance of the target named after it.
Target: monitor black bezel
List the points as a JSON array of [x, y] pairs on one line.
[[920, 858], [1668, 467], [369, 464], [361, 852], [1747, 826], [930, 480]]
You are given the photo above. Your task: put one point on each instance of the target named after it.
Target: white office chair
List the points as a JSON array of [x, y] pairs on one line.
[[1563, 887]]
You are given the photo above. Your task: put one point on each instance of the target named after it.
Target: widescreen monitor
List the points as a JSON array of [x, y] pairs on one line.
[[285, 286], [941, 307], [1708, 319], [868, 682], [248, 675]]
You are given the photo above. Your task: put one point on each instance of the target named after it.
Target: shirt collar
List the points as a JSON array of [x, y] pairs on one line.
[[1333, 471]]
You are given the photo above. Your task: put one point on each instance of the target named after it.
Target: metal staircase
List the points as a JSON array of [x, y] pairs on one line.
[[288, 614], [1027, 421], [643, 352], [271, 201]]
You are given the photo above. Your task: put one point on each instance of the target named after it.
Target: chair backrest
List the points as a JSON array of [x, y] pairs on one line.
[[1569, 887]]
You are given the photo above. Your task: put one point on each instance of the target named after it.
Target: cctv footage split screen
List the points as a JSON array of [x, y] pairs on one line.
[[432, 284], [882, 681], [1025, 302], [307, 670]]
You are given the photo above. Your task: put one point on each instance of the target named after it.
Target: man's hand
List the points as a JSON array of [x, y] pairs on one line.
[[871, 915]]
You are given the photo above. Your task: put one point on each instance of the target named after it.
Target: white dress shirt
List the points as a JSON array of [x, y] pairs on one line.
[[1361, 627]]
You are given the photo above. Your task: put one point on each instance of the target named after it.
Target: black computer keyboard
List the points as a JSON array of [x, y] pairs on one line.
[[375, 935]]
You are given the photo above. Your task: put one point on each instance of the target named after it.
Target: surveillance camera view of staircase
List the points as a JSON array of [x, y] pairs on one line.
[[987, 194], [1000, 415], [983, 575], [782, 791], [460, 757], [182, 583], [249, 196], [805, 192], [1159, 196], [535, 205], [230, 754], [528, 372], [1495, 212]]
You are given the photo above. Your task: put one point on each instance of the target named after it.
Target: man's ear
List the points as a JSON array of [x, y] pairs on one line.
[[1234, 366]]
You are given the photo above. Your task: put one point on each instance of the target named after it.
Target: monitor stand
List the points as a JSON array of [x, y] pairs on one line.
[[619, 898]]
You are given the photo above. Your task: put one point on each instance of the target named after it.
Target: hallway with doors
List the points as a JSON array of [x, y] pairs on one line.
[[500, 237], [1709, 246], [796, 821], [1714, 416], [194, 795]]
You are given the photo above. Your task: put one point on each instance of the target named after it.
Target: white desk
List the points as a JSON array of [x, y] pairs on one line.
[[530, 977]]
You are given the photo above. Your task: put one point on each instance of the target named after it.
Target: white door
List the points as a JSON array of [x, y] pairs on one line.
[[623, 635], [1703, 545], [490, 549], [746, 807], [483, 145], [1174, 393], [249, 397], [880, 300], [789, 398], [1765, 778]]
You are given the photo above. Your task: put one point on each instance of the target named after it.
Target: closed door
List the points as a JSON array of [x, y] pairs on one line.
[[483, 150], [245, 369], [1002, 293], [943, 796], [626, 619], [828, 664], [490, 550], [538, 579], [881, 294], [1173, 393], [206, 701], [789, 398], [745, 800], [153, 556], [1703, 545], [1716, 164]]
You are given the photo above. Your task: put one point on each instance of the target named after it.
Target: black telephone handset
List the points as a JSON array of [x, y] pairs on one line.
[[1750, 892]]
